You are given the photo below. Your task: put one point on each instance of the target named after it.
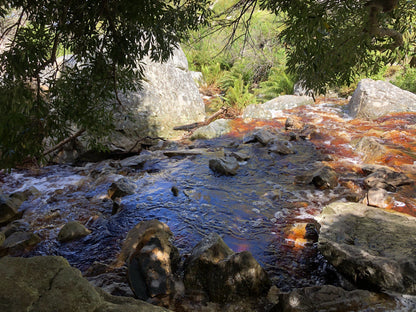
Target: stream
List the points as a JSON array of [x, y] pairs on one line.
[[262, 209]]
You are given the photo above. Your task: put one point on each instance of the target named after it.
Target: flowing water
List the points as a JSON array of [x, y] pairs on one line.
[[262, 209]]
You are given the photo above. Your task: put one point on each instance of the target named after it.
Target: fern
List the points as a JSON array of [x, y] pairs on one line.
[[278, 83]]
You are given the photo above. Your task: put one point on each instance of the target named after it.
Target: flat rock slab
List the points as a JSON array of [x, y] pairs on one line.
[[374, 248]]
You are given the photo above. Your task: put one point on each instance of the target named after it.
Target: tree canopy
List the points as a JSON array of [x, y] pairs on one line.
[[63, 63]]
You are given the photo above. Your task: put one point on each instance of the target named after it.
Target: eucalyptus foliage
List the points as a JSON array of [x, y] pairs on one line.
[[330, 42], [44, 97]]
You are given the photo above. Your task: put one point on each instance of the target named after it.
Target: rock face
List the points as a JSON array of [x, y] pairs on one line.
[[373, 99], [50, 284], [333, 299], [169, 97], [372, 247], [273, 108], [214, 269]]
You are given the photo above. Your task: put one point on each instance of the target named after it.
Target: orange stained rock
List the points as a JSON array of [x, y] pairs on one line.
[[239, 126], [296, 234]]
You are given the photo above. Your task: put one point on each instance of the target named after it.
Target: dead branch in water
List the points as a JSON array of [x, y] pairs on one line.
[[203, 123]]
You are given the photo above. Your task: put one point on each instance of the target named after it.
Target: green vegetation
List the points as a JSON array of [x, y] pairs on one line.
[[42, 99], [251, 51]]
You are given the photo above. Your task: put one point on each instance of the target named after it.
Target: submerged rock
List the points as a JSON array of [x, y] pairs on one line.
[[50, 284], [334, 299], [71, 231], [373, 99], [373, 248], [224, 165], [215, 270]]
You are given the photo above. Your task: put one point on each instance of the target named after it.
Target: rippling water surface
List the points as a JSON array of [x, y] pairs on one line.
[[261, 209]]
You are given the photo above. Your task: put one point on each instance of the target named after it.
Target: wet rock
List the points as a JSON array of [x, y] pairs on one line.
[[264, 136], [312, 231], [50, 284], [373, 99], [214, 269], [281, 147], [377, 197], [17, 242], [240, 156], [16, 226], [121, 188], [111, 280], [293, 123], [372, 247], [215, 129], [9, 209], [2, 238], [24, 195], [370, 148], [273, 108], [224, 165], [307, 132], [104, 168], [71, 231], [175, 190], [195, 151], [329, 298], [152, 259], [136, 161], [385, 178], [325, 178]]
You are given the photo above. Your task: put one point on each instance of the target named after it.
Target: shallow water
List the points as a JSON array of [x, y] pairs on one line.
[[261, 209]]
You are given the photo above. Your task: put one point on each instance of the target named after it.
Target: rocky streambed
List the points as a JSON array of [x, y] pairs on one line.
[[304, 209]]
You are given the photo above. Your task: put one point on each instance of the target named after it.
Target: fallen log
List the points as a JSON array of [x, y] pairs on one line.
[[63, 142], [202, 123]]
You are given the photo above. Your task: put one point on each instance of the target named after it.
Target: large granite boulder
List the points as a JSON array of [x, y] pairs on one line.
[[372, 247], [222, 275], [373, 99], [273, 108], [50, 284], [168, 97]]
